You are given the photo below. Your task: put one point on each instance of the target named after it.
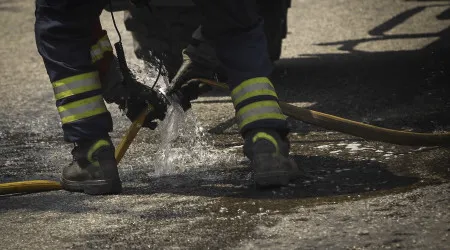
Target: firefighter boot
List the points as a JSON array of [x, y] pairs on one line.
[[93, 169], [268, 152]]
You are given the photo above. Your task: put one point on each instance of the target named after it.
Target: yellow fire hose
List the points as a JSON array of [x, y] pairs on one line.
[[46, 185], [323, 120], [358, 129]]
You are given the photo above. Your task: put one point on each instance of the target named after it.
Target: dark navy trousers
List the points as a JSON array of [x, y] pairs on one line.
[[72, 44]]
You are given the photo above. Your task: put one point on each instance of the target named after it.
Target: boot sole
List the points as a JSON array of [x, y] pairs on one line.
[[270, 171], [93, 187], [272, 179]]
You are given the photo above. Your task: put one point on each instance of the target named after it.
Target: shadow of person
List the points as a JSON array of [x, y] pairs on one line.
[[392, 89], [396, 89], [326, 179], [325, 176]]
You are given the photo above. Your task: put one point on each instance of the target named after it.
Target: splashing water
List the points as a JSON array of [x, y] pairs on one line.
[[184, 145]]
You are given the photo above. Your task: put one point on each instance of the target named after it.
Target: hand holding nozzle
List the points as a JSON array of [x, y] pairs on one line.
[[133, 97], [184, 85]]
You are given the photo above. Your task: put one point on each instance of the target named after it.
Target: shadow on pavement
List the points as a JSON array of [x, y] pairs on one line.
[[388, 88], [391, 90], [397, 89], [327, 179], [324, 177]]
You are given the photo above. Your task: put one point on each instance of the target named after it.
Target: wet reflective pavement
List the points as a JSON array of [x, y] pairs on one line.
[[385, 63]]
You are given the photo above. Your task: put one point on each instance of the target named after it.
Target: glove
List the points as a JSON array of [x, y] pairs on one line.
[[132, 96], [135, 98], [138, 99], [199, 61], [190, 91], [195, 65], [183, 87]]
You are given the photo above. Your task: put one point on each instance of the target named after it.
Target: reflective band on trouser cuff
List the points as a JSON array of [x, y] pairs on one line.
[[254, 87], [100, 47], [84, 108], [256, 111], [254, 101], [76, 85]]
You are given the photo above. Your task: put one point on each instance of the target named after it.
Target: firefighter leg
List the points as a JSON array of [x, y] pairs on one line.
[[71, 42], [236, 32]]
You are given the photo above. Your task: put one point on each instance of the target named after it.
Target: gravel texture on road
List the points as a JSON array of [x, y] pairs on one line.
[[384, 62]]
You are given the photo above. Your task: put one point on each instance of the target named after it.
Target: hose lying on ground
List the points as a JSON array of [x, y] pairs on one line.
[[323, 120], [29, 187], [35, 186], [358, 129], [363, 130]]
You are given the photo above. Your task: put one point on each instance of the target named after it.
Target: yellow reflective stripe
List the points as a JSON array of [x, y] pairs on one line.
[[79, 90], [74, 110], [250, 82], [82, 109], [83, 102], [96, 58], [248, 113], [265, 116], [74, 85], [95, 147], [252, 88], [96, 53], [100, 47], [86, 114], [75, 78], [253, 94], [255, 105], [105, 44], [259, 111], [96, 50], [263, 135]]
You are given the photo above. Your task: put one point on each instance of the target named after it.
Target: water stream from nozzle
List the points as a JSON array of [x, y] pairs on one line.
[[184, 145]]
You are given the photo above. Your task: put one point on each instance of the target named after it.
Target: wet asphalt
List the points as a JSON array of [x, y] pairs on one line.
[[385, 63]]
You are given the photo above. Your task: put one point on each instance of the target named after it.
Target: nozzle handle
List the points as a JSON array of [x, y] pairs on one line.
[[122, 63]]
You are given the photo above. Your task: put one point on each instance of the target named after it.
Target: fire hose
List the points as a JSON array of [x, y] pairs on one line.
[[323, 120], [35, 186], [354, 128]]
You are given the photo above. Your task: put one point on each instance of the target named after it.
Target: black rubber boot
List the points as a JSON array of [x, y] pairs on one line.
[[93, 169], [268, 152]]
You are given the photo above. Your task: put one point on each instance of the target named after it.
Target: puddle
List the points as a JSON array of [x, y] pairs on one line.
[[274, 204]]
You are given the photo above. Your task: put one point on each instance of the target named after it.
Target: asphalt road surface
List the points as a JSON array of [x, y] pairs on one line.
[[384, 62]]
